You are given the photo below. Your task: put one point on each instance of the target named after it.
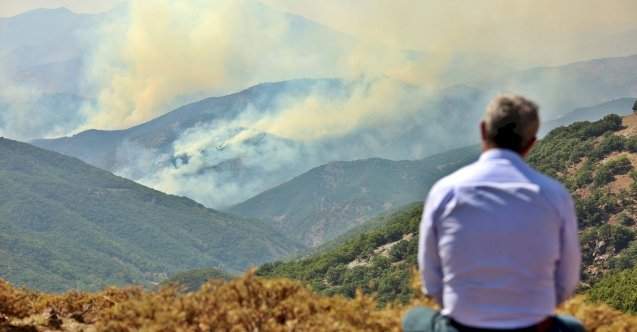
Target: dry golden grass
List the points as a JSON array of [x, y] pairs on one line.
[[243, 304], [599, 317]]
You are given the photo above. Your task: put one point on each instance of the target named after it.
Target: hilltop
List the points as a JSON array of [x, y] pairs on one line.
[[328, 200], [68, 225], [620, 107]]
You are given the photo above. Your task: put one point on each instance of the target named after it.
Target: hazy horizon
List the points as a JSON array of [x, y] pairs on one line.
[[402, 24], [405, 65]]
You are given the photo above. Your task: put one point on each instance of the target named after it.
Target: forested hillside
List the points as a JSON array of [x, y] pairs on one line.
[[594, 160], [380, 261], [67, 225]]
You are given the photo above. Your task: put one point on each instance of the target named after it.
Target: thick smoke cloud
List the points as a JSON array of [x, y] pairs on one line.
[[166, 52], [544, 32], [224, 162], [151, 56], [220, 164]]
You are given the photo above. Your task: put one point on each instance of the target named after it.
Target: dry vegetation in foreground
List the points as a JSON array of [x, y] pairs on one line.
[[247, 303]]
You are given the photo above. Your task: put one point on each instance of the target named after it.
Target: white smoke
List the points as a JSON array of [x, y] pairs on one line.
[[224, 162], [151, 56], [27, 112]]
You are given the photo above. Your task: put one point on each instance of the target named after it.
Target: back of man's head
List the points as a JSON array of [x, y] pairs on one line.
[[510, 122]]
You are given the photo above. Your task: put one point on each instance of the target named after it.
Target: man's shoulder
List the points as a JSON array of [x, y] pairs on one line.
[[469, 173], [548, 183]]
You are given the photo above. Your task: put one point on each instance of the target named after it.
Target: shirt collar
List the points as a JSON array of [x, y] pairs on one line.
[[495, 153]]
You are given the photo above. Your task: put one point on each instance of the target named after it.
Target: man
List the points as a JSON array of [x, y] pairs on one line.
[[498, 240]]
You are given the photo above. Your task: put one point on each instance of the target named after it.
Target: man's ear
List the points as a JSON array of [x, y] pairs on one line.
[[483, 135], [528, 146], [483, 130]]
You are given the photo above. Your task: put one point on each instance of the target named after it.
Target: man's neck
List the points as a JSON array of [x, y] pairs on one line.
[[486, 147]]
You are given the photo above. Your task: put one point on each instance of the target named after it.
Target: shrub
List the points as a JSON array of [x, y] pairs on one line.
[[631, 144], [609, 143], [248, 303], [619, 290]]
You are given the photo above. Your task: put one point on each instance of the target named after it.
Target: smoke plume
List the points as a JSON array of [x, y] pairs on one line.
[[148, 57]]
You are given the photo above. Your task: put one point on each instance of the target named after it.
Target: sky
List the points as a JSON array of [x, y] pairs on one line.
[[217, 47], [196, 44], [548, 28], [486, 25], [15, 7]]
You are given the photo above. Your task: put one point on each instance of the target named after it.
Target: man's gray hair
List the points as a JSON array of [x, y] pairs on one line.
[[511, 122]]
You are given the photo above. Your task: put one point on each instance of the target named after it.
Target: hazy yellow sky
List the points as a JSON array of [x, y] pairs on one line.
[[542, 31], [15, 7], [199, 49]]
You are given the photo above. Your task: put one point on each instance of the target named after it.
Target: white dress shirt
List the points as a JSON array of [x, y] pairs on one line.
[[498, 243]]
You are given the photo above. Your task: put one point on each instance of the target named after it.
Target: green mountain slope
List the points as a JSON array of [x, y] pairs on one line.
[[65, 224], [594, 160], [190, 281], [328, 200], [379, 262], [366, 227]]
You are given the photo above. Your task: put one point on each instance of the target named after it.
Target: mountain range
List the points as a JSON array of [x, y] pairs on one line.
[[562, 89], [594, 160], [212, 136], [222, 141], [51, 38], [211, 141], [620, 106]]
